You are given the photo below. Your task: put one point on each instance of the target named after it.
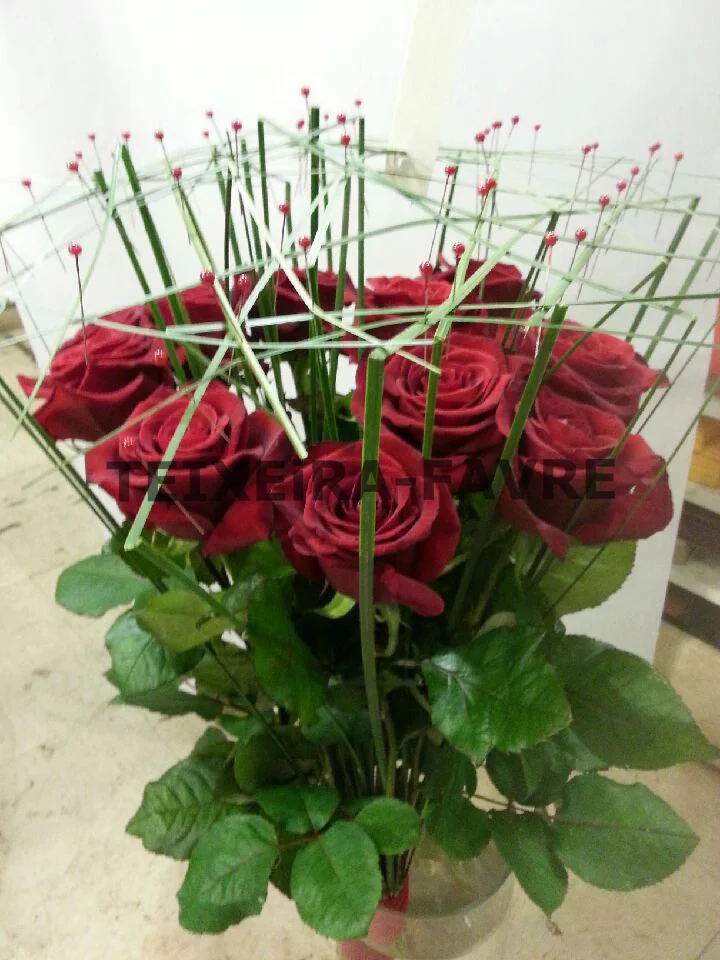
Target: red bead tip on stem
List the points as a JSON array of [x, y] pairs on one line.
[[244, 284], [603, 200], [125, 135], [284, 209], [621, 185], [585, 149], [304, 243], [91, 137], [345, 140], [450, 170], [207, 277], [78, 154], [209, 114], [358, 102], [634, 170], [679, 156], [159, 136], [550, 239], [496, 124], [458, 249], [300, 124], [176, 173], [536, 127], [654, 147], [74, 249], [426, 269], [73, 166], [580, 234], [27, 183], [480, 137], [206, 134], [326, 117], [595, 145], [341, 118], [236, 126], [305, 92], [515, 119]]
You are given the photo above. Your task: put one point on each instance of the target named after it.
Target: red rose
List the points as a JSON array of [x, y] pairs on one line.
[[601, 369], [97, 377], [472, 381], [210, 492], [289, 302], [560, 462], [503, 284], [318, 516], [202, 306], [389, 292]]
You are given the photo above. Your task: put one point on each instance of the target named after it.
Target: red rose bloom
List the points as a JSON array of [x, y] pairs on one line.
[[318, 523], [288, 302], [202, 306], [503, 284], [565, 456], [97, 377], [386, 293], [210, 492], [472, 381], [602, 370]]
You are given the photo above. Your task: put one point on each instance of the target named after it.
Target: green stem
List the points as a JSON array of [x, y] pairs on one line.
[[667, 260], [368, 507], [142, 280], [361, 225], [527, 399], [342, 270], [328, 232]]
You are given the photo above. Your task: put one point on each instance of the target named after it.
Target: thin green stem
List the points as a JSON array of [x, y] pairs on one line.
[[368, 508]]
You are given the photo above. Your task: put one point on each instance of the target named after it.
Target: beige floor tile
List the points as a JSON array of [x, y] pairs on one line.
[[693, 668], [712, 951]]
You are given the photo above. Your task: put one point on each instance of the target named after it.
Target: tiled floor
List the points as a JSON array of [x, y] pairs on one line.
[[73, 886]]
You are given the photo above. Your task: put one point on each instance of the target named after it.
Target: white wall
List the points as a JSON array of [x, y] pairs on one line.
[[617, 72]]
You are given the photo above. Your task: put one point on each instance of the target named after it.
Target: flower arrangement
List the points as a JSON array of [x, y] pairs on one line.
[[362, 592]]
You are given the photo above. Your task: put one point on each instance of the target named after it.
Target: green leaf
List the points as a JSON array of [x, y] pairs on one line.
[[568, 589], [525, 842], [619, 837], [299, 809], [95, 585], [180, 620], [576, 752], [265, 558], [235, 674], [286, 670], [336, 882], [393, 826], [535, 776], [460, 828], [447, 771], [139, 664], [495, 692], [623, 709], [228, 875], [177, 809], [171, 702], [260, 760]]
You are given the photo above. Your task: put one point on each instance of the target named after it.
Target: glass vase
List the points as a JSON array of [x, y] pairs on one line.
[[450, 908]]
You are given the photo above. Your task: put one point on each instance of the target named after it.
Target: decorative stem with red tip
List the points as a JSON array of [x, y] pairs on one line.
[[584, 150], [74, 249], [536, 130], [27, 183], [677, 157], [603, 202]]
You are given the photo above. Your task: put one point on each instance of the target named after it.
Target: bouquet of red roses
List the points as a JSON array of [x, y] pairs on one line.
[[362, 591]]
